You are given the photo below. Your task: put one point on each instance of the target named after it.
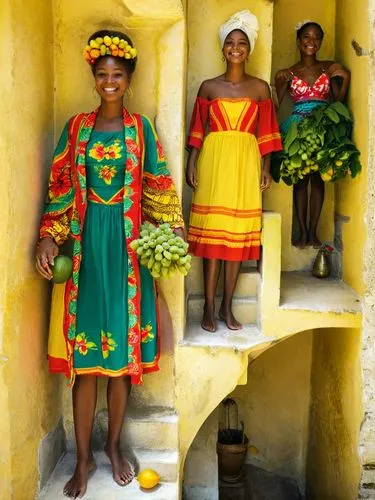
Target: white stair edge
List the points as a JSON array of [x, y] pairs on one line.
[[242, 340], [101, 485]]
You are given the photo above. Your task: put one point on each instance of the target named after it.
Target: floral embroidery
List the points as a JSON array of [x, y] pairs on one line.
[[107, 172], [112, 152], [62, 183], [108, 344], [83, 344], [147, 334]]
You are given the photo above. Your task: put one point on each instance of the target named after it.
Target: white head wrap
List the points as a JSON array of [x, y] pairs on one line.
[[244, 21], [302, 23]]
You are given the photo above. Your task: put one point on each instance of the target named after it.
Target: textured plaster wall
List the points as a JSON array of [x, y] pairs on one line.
[[157, 30], [287, 13], [274, 407], [30, 400], [333, 467], [367, 436]]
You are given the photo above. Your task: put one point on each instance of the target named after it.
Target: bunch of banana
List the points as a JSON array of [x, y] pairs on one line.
[[162, 251], [320, 142]]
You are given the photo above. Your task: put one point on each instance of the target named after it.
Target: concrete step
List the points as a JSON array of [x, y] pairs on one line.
[[247, 285], [245, 309], [154, 428], [101, 485], [250, 337]]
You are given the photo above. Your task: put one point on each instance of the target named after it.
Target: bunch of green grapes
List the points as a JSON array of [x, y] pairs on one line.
[[162, 251]]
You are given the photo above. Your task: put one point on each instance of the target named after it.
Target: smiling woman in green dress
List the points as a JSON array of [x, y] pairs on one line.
[[109, 174]]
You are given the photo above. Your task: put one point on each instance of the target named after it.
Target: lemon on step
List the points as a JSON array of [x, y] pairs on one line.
[[148, 479], [62, 269]]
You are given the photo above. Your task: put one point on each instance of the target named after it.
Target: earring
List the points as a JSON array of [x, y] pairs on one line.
[[129, 93]]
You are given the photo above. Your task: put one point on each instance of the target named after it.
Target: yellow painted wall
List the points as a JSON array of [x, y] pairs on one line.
[[287, 13], [30, 402], [352, 24], [274, 406], [333, 468]]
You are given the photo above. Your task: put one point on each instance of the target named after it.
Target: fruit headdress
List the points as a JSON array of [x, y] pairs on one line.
[[108, 46]]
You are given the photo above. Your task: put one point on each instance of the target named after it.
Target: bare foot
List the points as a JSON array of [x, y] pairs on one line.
[[302, 241], [76, 486], [314, 241], [122, 470], [208, 322], [229, 319]]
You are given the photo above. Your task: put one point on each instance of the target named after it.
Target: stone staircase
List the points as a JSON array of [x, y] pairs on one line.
[[149, 440], [245, 300]]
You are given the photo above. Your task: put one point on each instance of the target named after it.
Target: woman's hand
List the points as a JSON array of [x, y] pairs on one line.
[[283, 76], [266, 180], [339, 88], [46, 252], [191, 168], [338, 70], [180, 231], [191, 176]]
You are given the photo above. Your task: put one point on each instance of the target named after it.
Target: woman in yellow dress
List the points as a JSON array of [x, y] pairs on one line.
[[230, 166]]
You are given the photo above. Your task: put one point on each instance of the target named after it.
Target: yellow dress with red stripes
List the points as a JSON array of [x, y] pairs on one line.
[[226, 211]]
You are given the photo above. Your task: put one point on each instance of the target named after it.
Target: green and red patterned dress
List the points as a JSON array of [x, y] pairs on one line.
[[102, 186]]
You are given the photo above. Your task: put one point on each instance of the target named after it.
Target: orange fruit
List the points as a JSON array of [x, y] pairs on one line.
[[62, 269], [148, 479]]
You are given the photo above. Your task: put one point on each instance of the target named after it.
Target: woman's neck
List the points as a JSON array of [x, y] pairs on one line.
[[110, 111], [308, 61], [235, 73]]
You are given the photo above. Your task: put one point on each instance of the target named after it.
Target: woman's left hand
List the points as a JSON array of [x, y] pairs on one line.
[[338, 70], [179, 231], [266, 180]]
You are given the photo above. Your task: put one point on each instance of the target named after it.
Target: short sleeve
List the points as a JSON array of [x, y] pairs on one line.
[[269, 138], [198, 123]]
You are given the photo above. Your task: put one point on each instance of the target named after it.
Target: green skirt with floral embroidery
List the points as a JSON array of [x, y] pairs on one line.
[[101, 346]]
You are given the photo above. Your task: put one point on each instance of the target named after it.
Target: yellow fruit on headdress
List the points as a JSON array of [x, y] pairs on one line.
[[103, 50], [113, 46], [86, 55], [116, 40], [121, 43], [94, 53], [99, 40], [148, 479], [121, 53], [107, 40], [127, 55], [94, 44], [114, 52], [133, 52]]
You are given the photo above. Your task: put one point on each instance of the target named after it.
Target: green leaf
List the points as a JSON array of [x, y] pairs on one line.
[[341, 109], [294, 147], [332, 115], [291, 135], [355, 166], [296, 161]]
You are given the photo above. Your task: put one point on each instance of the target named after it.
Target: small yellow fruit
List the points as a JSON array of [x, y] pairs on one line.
[[107, 40], [148, 479], [94, 44], [116, 40], [338, 163], [326, 177]]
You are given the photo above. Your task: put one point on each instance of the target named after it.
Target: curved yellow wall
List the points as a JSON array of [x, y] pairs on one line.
[[30, 402]]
